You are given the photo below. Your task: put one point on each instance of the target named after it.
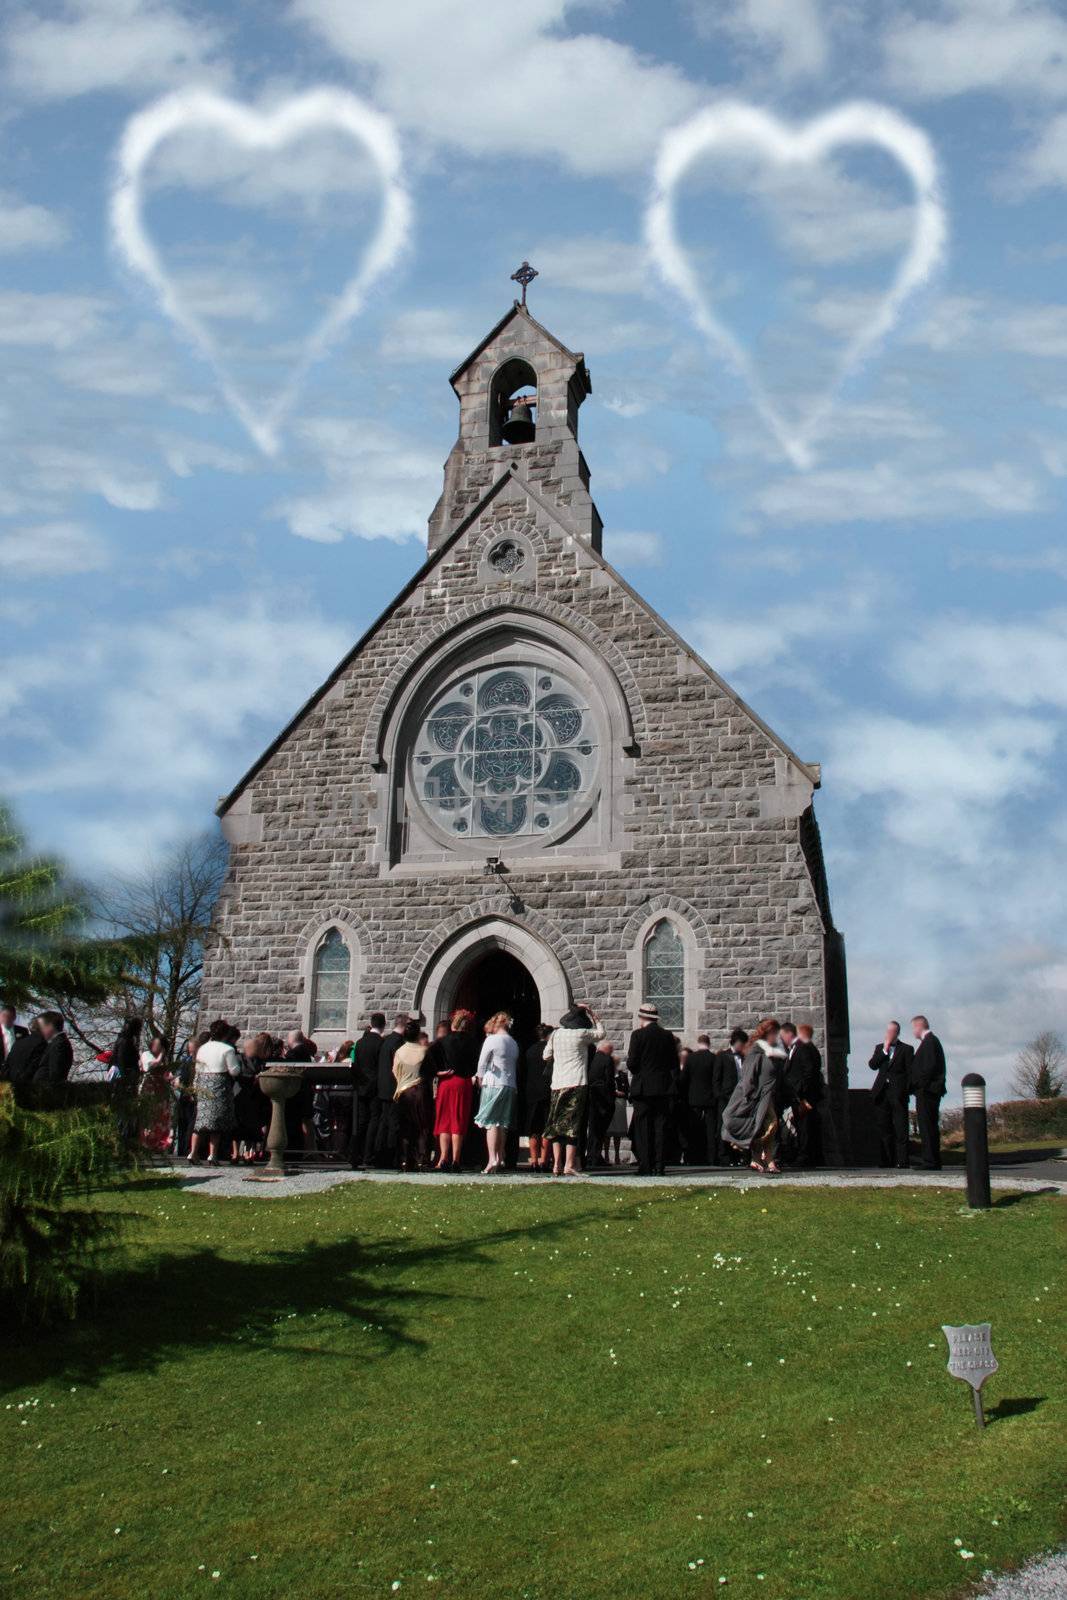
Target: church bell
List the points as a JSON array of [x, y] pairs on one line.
[[519, 425]]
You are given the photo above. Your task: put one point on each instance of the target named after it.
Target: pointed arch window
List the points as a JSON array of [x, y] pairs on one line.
[[664, 973], [330, 975]]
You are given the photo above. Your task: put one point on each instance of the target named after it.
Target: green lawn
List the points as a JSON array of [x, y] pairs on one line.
[[550, 1391]]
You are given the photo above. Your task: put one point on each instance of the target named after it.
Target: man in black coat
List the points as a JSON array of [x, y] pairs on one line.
[[696, 1083], [58, 1058], [728, 1064], [25, 1056], [892, 1062], [928, 1086], [10, 1030], [601, 1103], [365, 1086], [381, 1134], [652, 1062], [803, 1083]]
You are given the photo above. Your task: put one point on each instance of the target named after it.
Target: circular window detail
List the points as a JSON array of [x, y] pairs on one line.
[[505, 753], [506, 557]]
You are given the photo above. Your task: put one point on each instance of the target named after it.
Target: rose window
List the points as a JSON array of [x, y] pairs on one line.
[[506, 752]]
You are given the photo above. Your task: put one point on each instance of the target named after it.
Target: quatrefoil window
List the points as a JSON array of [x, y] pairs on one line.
[[506, 557]]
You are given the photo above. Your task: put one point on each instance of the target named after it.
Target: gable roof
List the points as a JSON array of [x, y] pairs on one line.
[[510, 475], [518, 310]]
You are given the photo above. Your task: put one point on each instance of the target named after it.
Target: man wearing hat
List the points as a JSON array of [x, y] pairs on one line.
[[652, 1062]]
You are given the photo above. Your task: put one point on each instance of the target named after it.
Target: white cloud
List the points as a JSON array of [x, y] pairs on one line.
[[1010, 46], [57, 469], [429, 334], [791, 32], [633, 549], [52, 549], [892, 491], [757, 654], [940, 787], [1021, 664], [379, 484], [128, 46], [506, 81], [24, 226], [593, 264], [57, 321], [186, 697]]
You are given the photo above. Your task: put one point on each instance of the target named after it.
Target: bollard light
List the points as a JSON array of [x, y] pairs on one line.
[[976, 1141]]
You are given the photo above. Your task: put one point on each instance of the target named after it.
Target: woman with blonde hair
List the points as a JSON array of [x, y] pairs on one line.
[[750, 1121], [454, 1060], [411, 1100], [498, 1075]]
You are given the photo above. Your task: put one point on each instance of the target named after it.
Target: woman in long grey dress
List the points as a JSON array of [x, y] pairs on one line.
[[750, 1121]]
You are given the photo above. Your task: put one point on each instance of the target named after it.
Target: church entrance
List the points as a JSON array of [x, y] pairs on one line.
[[498, 981]]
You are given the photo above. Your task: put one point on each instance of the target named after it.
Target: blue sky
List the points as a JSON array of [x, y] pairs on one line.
[[168, 594]]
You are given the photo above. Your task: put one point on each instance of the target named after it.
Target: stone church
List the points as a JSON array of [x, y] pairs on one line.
[[522, 787]]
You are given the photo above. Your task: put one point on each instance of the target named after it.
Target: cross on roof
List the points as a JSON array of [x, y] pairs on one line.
[[525, 275]]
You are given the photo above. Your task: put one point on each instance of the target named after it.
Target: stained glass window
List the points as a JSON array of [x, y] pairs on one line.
[[329, 982], [505, 752], [665, 973]]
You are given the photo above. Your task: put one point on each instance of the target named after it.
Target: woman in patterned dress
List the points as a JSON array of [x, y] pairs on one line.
[[217, 1066], [568, 1051]]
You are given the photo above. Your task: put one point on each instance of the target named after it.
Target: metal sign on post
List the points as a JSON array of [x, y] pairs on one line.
[[971, 1359]]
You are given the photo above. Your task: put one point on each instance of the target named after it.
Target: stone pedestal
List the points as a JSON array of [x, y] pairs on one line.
[[279, 1083]]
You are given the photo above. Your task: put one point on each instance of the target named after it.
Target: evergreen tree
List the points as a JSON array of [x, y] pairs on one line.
[[51, 1154]]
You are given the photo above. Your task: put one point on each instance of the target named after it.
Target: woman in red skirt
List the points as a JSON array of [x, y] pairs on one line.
[[455, 1061]]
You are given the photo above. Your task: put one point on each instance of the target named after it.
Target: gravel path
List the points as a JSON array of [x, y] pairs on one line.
[[1043, 1579], [225, 1182]]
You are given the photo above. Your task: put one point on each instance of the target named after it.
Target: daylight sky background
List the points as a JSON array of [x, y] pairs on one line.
[[169, 595]]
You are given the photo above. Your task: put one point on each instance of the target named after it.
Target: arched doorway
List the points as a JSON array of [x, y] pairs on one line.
[[495, 980], [458, 961]]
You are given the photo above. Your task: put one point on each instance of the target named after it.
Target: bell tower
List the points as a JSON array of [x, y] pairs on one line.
[[519, 393]]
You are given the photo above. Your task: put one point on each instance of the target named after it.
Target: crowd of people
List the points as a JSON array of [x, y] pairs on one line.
[[469, 1095]]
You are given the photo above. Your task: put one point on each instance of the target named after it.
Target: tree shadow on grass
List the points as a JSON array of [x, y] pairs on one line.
[[1021, 1407], [136, 1318], [1019, 1197]]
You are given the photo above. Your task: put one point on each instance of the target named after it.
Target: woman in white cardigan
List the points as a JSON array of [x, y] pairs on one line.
[[498, 1067]]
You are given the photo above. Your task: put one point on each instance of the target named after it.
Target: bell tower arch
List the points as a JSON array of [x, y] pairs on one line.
[[519, 392]]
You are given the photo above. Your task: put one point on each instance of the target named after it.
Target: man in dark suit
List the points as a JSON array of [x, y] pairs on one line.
[[652, 1062], [928, 1086], [10, 1030], [728, 1064], [365, 1086], [601, 1104], [381, 1134], [892, 1062], [803, 1082], [58, 1055], [696, 1086]]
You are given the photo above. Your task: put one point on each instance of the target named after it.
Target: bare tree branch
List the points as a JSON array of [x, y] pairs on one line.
[[1039, 1068]]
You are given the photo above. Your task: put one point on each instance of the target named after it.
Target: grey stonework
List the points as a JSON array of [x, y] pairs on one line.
[[701, 814]]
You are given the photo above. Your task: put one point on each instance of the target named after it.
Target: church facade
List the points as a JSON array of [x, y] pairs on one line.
[[522, 787]]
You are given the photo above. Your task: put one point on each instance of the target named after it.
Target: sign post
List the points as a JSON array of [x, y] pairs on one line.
[[971, 1359]]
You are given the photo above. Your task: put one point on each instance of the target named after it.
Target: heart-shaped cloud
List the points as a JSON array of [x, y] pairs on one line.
[[320, 109], [734, 124]]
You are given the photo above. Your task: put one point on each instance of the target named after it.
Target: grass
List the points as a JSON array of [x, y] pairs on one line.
[[541, 1392], [1020, 1149]]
